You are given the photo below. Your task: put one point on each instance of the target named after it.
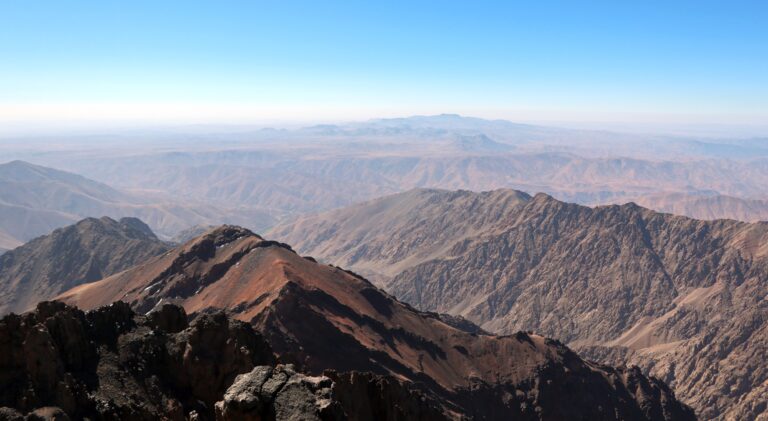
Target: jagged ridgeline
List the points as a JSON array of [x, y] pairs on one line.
[[320, 318], [682, 298]]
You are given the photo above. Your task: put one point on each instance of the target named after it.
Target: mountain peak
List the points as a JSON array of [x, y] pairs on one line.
[[17, 163], [544, 198], [137, 225], [129, 227], [225, 234], [19, 169], [84, 252]]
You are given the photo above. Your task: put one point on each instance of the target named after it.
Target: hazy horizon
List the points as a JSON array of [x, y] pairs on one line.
[[42, 128], [632, 66]]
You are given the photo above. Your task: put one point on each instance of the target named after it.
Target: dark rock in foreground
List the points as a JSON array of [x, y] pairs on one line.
[[113, 364], [60, 363]]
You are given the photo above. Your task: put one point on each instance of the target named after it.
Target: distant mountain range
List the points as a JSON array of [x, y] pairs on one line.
[[260, 177], [34, 200], [316, 178], [322, 317], [682, 298], [707, 205]]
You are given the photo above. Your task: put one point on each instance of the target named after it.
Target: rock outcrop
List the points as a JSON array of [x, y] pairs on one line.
[[368, 396], [279, 393], [59, 363], [113, 364]]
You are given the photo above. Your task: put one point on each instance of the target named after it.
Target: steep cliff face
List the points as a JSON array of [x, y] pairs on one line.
[[684, 299], [321, 317], [85, 252]]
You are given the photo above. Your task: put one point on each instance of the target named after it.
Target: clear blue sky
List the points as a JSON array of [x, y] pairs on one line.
[[284, 59]]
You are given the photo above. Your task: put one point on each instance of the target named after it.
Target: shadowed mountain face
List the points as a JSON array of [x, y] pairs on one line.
[[62, 363], [684, 299], [35, 200], [80, 253], [322, 317]]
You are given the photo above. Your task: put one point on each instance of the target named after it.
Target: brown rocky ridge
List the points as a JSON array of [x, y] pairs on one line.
[[686, 300], [321, 317], [84, 252]]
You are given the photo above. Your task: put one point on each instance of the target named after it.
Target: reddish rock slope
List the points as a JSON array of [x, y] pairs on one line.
[[323, 317]]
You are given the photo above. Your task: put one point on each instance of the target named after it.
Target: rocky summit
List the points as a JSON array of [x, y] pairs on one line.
[[84, 252], [320, 318]]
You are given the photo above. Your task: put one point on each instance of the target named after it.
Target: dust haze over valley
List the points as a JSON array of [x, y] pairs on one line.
[[257, 177]]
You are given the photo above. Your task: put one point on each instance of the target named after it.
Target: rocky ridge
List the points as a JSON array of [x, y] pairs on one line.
[[84, 252], [383, 237], [320, 317], [682, 298]]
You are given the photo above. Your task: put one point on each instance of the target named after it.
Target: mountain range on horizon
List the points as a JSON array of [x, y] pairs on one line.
[[34, 200], [259, 178]]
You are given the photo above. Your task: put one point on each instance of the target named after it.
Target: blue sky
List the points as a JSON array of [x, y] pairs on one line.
[[240, 60]]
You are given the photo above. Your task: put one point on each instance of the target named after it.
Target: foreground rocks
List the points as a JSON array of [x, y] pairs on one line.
[[59, 363], [113, 364], [279, 393]]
